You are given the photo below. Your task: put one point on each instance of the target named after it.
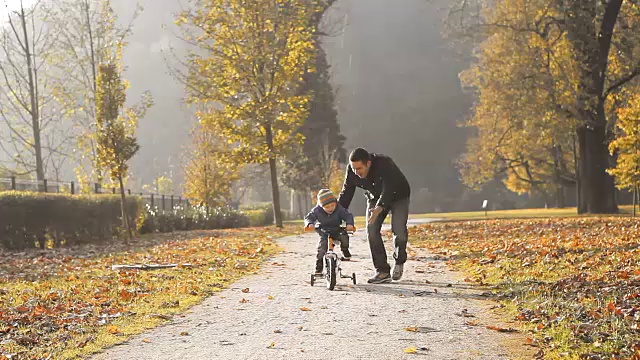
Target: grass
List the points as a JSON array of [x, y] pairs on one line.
[[572, 283], [480, 215], [510, 214], [68, 303]]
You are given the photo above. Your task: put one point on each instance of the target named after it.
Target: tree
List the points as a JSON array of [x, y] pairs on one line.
[[627, 147], [89, 36], [522, 135], [246, 71], [211, 171], [306, 167], [115, 141], [577, 37], [34, 137]]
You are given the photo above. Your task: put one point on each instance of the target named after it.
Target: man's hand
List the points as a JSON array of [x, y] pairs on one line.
[[308, 228], [374, 214], [351, 228]]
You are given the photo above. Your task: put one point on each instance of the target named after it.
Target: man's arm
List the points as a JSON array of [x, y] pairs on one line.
[[348, 189]]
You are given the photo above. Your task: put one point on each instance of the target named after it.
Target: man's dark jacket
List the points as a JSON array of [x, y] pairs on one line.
[[384, 184]]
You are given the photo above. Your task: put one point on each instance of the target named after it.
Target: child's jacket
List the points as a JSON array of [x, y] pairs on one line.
[[328, 221]]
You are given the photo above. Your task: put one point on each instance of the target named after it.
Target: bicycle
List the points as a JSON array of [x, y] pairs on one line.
[[332, 263]]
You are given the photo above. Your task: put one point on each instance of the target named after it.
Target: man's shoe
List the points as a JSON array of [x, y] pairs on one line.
[[398, 269], [380, 278]]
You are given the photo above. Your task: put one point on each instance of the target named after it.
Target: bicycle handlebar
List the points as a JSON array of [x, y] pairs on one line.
[[342, 228]]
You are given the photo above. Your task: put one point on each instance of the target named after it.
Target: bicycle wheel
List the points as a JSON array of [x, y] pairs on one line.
[[330, 277]]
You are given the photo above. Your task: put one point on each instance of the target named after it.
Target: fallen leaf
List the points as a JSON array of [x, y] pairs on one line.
[[146, 340], [501, 329], [26, 340], [270, 297], [271, 346], [471, 322], [162, 316], [244, 301], [411, 350], [277, 331], [305, 309], [422, 329], [184, 333], [245, 290], [112, 329]]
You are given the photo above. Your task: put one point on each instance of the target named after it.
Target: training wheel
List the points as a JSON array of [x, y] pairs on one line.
[[313, 279], [353, 276]]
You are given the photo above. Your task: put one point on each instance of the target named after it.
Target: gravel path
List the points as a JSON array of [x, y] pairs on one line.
[[352, 322]]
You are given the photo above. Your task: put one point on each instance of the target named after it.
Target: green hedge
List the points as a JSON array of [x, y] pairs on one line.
[[192, 218], [38, 220]]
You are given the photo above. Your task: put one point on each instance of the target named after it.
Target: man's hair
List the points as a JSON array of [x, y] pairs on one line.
[[359, 154]]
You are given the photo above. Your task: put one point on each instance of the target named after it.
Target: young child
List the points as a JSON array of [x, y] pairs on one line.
[[328, 215]]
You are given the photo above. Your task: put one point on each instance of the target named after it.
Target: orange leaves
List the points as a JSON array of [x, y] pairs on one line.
[[70, 291], [576, 275], [501, 329], [127, 295]]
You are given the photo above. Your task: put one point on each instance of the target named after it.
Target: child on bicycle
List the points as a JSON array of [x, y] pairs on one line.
[[326, 218]]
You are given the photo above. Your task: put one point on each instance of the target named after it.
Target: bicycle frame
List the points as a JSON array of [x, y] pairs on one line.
[[332, 262]]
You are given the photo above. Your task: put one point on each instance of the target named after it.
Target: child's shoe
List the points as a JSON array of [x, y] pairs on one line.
[[346, 255]]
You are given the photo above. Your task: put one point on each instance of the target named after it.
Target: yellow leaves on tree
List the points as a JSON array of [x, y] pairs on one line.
[[254, 56], [211, 170], [116, 142], [522, 133], [627, 145], [246, 71]]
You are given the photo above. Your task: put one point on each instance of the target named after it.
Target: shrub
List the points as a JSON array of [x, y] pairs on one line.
[[39, 220], [192, 218]]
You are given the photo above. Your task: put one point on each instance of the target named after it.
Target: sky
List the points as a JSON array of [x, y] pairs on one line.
[[10, 5]]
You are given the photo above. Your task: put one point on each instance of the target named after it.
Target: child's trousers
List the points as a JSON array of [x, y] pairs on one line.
[[323, 245]]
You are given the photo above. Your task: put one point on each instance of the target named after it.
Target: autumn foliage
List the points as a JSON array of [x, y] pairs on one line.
[[65, 303], [573, 283]]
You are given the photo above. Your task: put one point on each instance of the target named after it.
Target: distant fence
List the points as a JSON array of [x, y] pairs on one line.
[[161, 201]]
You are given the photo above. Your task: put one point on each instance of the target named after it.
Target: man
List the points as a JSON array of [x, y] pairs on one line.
[[387, 190]]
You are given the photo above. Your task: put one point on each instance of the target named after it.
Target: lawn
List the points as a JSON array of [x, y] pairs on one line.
[[572, 283], [480, 215], [66, 303]]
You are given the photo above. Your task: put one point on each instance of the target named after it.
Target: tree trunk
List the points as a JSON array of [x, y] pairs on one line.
[[591, 49], [601, 185], [582, 175], [560, 199], [123, 207], [33, 97], [277, 215], [635, 194]]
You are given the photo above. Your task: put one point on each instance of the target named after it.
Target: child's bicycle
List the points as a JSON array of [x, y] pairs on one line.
[[332, 264]]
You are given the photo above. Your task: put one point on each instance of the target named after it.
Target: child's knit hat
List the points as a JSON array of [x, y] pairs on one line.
[[325, 197]]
